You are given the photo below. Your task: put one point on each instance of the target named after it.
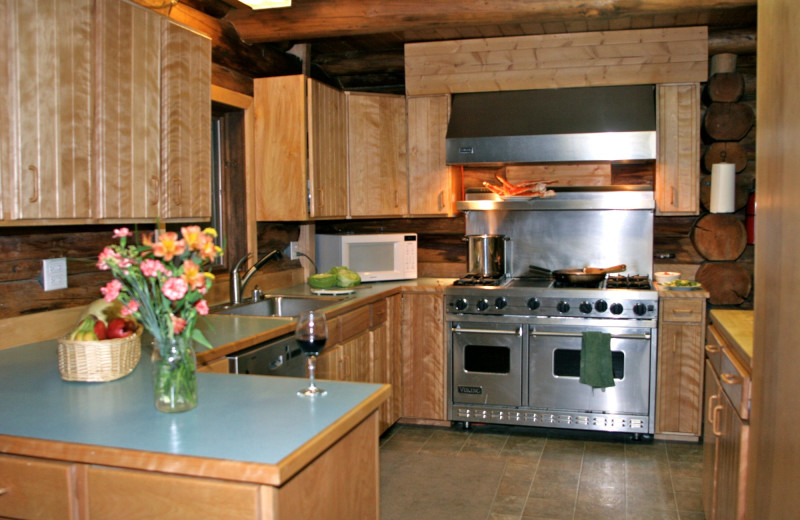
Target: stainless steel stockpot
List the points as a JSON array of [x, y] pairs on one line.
[[486, 255]]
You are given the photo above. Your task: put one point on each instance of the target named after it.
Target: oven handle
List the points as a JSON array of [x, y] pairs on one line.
[[578, 335], [517, 332]]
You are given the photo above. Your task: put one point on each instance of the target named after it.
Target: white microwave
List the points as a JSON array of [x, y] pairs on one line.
[[375, 257]]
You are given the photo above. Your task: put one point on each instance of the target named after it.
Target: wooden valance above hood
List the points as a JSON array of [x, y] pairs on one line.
[[635, 57]]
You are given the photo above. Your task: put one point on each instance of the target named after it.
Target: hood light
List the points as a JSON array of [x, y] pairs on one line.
[[267, 4]]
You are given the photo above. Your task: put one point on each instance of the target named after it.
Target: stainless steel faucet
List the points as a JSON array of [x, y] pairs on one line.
[[238, 283]]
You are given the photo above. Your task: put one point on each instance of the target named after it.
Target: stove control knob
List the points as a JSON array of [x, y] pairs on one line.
[[483, 304], [461, 304], [616, 308], [585, 307], [639, 309], [600, 306], [562, 306], [534, 304], [500, 302]]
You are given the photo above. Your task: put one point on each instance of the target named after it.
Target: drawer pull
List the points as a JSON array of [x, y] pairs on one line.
[[714, 422], [731, 379], [683, 311], [713, 349], [3, 491], [710, 408]]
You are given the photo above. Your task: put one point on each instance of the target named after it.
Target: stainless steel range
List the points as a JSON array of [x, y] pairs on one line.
[[515, 341]]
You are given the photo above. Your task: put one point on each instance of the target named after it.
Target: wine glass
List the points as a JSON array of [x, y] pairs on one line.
[[311, 334]]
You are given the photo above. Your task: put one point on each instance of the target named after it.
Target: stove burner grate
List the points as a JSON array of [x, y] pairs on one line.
[[628, 282], [474, 279]]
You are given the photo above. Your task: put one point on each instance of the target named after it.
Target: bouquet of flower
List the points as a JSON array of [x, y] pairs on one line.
[[162, 281]]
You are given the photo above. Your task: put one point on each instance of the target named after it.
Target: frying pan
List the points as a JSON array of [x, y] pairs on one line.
[[582, 275]]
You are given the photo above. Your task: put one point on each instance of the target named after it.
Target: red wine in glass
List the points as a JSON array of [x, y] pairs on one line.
[[311, 334]]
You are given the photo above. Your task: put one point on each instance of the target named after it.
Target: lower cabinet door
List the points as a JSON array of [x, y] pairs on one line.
[[118, 493], [34, 489]]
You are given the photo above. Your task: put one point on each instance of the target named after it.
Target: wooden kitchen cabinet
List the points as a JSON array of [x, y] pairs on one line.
[[37, 489], [377, 144], [727, 397], [185, 123], [424, 366], [301, 157], [127, 142], [677, 187], [433, 187], [386, 359], [681, 342], [348, 357], [47, 109]]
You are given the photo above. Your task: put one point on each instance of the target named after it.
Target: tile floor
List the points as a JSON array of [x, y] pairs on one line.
[[512, 473]]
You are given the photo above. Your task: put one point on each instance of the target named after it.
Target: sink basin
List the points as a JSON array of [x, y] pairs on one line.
[[278, 306]]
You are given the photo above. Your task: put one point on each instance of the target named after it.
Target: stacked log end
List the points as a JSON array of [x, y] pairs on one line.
[[721, 238]]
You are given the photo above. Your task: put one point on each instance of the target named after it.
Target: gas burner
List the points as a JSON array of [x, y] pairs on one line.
[[628, 282], [476, 280]]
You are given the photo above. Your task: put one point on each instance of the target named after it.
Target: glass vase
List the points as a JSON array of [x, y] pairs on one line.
[[174, 375]]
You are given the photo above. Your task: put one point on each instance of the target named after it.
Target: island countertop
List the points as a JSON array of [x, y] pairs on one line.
[[249, 428]]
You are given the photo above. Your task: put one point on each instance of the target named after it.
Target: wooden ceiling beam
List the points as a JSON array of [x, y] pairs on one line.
[[311, 19]]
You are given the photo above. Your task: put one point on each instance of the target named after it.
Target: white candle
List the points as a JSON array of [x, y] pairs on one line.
[[723, 187]]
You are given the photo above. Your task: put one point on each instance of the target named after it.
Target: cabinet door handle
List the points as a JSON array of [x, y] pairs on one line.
[[3, 491], [178, 193], [710, 408], [674, 196], [713, 349], [340, 368], [731, 379], [35, 171], [714, 422], [441, 200]]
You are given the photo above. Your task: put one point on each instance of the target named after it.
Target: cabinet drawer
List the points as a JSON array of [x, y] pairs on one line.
[[354, 322], [714, 345], [735, 381], [683, 309], [380, 312], [35, 488], [118, 493]]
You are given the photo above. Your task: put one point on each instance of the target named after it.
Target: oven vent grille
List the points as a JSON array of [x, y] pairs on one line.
[[580, 421]]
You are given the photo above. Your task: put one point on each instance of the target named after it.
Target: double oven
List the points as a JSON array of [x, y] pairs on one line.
[[515, 341]]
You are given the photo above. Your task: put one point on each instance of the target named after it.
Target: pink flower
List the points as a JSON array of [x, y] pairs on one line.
[[122, 232], [177, 324], [175, 288], [201, 307], [106, 255], [151, 268], [129, 309], [111, 290]]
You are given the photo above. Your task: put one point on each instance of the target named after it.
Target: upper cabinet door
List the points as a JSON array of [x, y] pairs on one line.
[[281, 151], [677, 189], [185, 123], [48, 109], [127, 114], [377, 154], [432, 185], [327, 150]]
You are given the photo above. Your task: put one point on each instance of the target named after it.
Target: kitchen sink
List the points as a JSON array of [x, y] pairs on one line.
[[289, 306]]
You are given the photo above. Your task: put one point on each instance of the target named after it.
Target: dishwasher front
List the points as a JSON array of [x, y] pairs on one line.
[[277, 357]]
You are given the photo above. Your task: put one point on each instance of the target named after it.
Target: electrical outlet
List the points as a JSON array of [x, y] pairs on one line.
[[54, 274], [293, 250]]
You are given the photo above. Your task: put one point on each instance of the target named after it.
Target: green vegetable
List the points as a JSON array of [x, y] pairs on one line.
[[347, 278], [322, 280], [683, 283]]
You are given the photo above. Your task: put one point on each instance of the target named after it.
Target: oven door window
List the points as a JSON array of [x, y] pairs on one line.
[[567, 363], [490, 360]]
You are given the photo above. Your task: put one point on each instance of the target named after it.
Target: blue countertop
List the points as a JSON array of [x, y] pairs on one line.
[[254, 419]]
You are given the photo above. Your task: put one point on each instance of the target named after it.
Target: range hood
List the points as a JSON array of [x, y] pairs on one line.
[[553, 125]]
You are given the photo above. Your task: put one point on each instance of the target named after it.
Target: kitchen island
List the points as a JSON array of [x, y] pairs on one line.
[[251, 449]]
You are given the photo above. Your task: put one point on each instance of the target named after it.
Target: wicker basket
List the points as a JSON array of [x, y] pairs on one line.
[[98, 361]]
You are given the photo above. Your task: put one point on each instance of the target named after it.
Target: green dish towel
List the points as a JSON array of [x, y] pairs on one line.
[[596, 368]]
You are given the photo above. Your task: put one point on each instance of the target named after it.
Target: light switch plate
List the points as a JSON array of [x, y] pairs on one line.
[[54, 274]]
